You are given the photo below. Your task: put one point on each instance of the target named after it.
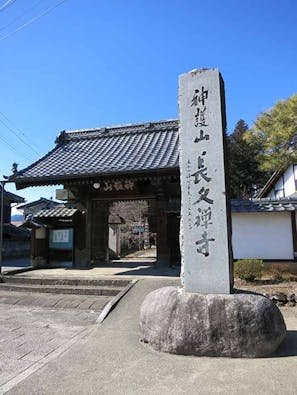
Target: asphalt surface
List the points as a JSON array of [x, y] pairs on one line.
[[110, 360]]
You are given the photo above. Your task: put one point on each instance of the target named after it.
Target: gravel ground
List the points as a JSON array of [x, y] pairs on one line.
[[264, 287]]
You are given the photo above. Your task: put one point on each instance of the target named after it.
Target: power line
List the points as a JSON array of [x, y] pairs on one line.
[[47, 11], [6, 5], [20, 132], [20, 15], [12, 148], [17, 136]]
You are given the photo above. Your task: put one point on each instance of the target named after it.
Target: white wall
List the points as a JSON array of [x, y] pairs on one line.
[[278, 190], [285, 186], [289, 181], [262, 235], [114, 242], [112, 238]]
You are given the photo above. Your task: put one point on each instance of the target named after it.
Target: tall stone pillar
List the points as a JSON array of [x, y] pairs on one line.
[[205, 215], [203, 318]]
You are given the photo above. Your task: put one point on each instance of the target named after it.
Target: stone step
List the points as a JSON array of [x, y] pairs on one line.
[[16, 279], [102, 290]]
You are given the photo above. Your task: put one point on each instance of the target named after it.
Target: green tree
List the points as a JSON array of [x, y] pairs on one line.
[[275, 134], [245, 175]]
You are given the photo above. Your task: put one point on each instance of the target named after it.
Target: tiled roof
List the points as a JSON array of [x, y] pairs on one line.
[[42, 200], [57, 212], [12, 197], [263, 205], [146, 147]]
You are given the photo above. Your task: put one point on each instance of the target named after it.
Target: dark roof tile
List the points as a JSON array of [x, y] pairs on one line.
[[37, 203], [263, 205], [11, 197], [57, 212], [108, 151]]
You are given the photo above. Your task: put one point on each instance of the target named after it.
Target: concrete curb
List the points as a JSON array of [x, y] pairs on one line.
[[110, 305], [22, 270]]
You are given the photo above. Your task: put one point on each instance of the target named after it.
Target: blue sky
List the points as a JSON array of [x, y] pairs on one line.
[[90, 63]]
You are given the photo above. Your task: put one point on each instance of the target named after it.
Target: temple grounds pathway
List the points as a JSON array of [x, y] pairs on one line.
[[36, 328], [51, 344], [108, 359]]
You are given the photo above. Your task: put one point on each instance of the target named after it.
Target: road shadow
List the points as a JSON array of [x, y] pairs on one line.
[[135, 267], [143, 267], [150, 271], [288, 348]]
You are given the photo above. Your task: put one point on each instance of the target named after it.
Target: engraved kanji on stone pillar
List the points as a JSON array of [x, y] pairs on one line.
[[205, 219]]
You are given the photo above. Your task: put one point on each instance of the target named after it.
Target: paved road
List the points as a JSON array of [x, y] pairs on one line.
[[35, 328], [54, 301], [108, 358], [111, 361]]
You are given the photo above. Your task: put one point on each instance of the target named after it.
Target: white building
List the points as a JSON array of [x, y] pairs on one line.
[[264, 228], [282, 183]]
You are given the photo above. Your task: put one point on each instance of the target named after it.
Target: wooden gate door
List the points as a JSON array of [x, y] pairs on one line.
[[173, 224], [100, 211]]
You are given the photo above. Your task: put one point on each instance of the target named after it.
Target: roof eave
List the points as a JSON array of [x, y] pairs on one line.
[[13, 198], [57, 180]]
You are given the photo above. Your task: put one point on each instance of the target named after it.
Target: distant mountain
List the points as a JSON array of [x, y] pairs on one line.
[[17, 218]]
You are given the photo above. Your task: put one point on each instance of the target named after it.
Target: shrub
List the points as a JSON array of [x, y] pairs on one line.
[[248, 269], [277, 270]]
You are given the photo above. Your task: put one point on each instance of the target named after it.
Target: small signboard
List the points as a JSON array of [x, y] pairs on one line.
[[61, 239], [137, 227]]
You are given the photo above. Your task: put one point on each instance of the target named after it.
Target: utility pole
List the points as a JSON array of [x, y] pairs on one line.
[[139, 228], [1, 223]]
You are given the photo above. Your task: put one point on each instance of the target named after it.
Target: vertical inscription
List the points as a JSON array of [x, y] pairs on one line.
[[189, 194], [202, 206], [205, 232]]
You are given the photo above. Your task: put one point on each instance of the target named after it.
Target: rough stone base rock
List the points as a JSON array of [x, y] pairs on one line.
[[236, 325]]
